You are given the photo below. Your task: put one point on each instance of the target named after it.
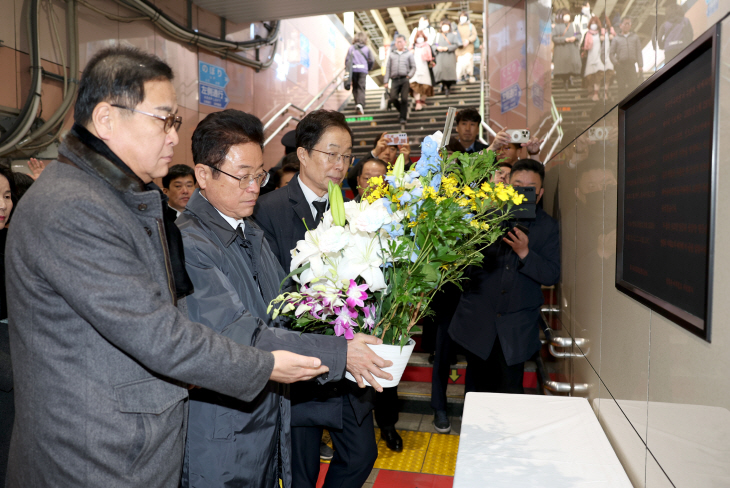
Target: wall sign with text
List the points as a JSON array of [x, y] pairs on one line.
[[666, 193]]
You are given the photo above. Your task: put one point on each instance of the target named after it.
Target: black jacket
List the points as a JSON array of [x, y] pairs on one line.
[[281, 215], [503, 296]]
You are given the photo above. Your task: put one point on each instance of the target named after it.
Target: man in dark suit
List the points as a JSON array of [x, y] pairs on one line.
[[467, 130], [496, 320], [324, 147]]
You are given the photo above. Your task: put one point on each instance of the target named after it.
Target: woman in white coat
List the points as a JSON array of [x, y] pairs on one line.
[[591, 50], [421, 81]]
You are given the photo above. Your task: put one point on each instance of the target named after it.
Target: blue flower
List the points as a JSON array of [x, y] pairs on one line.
[[429, 147], [414, 257], [468, 217], [427, 163], [436, 182], [417, 192], [391, 181], [386, 204], [410, 176], [405, 197], [394, 229]]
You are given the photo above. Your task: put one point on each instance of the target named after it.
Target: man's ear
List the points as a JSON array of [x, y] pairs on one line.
[[202, 174], [165, 191], [102, 121], [303, 156], [539, 194]]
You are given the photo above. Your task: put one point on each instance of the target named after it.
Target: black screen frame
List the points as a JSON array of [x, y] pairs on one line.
[[691, 322]]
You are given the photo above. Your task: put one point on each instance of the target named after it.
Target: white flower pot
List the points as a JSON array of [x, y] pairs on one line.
[[393, 353]]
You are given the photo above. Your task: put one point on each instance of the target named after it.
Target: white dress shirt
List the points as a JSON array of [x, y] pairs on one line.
[[310, 196]]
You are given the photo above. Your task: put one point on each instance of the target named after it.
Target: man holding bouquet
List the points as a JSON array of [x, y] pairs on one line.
[[496, 320], [324, 147]]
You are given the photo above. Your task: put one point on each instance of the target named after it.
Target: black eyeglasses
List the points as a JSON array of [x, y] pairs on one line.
[[246, 180], [171, 120], [332, 157]]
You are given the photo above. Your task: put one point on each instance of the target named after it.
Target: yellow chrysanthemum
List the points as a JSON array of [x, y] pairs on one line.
[[468, 191], [440, 199], [502, 194], [485, 226], [474, 224]]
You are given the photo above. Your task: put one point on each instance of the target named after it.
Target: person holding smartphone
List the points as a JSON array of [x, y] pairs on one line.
[[496, 320]]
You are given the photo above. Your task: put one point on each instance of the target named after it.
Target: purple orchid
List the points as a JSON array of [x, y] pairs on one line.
[[356, 294], [369, 320], [344, 322]]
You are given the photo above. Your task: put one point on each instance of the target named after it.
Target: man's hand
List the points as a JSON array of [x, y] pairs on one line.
[[466, 42], [442, 49], [533, 145], [517, 240], [500, 140], [36, 167], [363, 363], [570, 39], [290, 367], [405, 150], [380, 146]]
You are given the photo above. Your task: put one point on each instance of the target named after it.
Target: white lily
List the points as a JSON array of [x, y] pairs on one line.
[[362, 258], [325, 239]]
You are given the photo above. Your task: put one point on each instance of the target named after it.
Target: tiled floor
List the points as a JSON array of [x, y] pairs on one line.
[[428, 459]]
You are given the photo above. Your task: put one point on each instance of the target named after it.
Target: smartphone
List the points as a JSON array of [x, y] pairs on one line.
[[399, 139], [528, 208], [524, 229]]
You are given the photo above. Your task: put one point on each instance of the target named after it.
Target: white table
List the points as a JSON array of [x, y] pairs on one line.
[[534, 441]]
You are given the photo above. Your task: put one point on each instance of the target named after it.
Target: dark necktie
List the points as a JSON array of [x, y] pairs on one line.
[[321, 207], [248, 248]]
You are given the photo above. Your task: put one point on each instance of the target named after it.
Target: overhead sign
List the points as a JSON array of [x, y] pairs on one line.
[[211, 74], [510, 74], [213, 96], [511, 98], [359, 119]]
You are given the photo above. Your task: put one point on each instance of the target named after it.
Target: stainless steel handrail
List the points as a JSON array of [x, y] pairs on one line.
[[336, 82]]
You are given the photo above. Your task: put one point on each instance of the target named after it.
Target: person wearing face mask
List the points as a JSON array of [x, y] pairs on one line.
[[421, 81], [465, 54], [591, 51], [445, 45], [426, 28], [582, 21], [399, 68], [625, 54], [566, 57]]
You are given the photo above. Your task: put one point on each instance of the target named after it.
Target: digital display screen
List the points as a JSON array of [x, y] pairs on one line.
[[666, 132]]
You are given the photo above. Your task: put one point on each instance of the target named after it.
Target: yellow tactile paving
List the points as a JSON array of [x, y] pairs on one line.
[[441, 455], [415, 445]]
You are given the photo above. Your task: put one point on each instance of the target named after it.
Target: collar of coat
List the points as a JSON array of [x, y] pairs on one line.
[[204, 211], [92, 155]]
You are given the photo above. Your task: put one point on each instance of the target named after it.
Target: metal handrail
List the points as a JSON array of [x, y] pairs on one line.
[[336, 81], [556, 126], [283, 110]]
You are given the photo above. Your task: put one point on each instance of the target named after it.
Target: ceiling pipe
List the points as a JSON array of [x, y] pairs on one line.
[[28, 113]]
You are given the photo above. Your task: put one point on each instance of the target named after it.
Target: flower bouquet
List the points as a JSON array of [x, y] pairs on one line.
[[373, 266]]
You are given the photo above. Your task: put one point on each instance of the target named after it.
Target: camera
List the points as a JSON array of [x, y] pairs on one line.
[[598, 133], [518, 136]]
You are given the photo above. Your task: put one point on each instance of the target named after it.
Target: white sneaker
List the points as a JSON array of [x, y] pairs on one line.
[[359, 109]]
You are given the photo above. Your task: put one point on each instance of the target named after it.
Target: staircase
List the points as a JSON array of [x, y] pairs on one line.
[[420, 124]]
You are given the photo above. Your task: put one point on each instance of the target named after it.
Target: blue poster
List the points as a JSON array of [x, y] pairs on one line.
[[211, 74], [537, 96], [511, 98], [303, 50], [213, 96], [712, 6]]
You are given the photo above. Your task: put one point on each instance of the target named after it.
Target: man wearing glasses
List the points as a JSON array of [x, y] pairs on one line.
[[102, 354], [324, 148], [235, 274]]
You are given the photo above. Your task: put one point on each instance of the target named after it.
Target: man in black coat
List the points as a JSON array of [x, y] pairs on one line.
[[497, 317], [324, 147]]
